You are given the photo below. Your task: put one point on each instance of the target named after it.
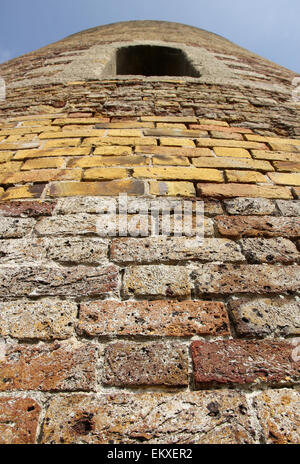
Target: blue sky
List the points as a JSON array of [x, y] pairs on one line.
[[269, 28]]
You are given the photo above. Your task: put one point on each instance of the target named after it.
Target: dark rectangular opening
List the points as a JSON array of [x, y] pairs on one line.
[[150, 60]]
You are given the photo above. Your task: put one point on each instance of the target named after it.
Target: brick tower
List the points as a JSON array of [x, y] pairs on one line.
[[113, 334]]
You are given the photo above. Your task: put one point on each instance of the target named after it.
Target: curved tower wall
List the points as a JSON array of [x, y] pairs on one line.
[[116, 324]]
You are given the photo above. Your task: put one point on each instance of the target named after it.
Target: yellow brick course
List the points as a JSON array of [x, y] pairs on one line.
[[228, 143], [11, 166], [285, 179], [59, 143], [73, 134], [233, 163], [243, 190], [114, 187], [5, 156], [248, 177], [43, 163], [176, 142], [105, 173], [113, 150], [232, 152], [94, 161], [178, 173], [29, 154], [274, 155], [185, 189], [40, 175], [171, 151], [129, 141], [171, 160]]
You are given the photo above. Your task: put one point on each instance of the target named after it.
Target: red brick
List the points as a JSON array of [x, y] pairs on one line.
[[18, 421], [27, 208], [253, 226], [244, 362], [54, 367]]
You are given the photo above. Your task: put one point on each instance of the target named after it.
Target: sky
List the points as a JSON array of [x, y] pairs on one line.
[[269, 28]]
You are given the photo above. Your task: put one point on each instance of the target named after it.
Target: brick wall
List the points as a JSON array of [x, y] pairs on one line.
[[148, 339]]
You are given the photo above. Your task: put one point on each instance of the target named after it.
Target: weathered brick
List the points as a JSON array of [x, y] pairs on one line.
[[284, 147], [111, 141], [173, 151], [216, 134], [245, 176], [33, 280], [215, 127], [72, 134], [170, 160], [252, 226], [15, 227], [18, 421], [289, 208], [278, 415], [232, 163], [184, 189], [40, 175], [232, 152], [243, 190], [247, 206], [241, 278], [125, 132], [100, 161], [79, 224], [104, 173], [186, 417], [275, 155], [253, 317], [114, 187], [79, 120], [61, 143], [44, 320], [64, 250], [155, 363], [153, 318], [285, 179], [55, 367], [244, 362], [260, 138], [5, 156], [42, 163], [58, 152], [175, 132], [10, 167], [164, 249], [176, 142], [273, 250], [178, 173], [204, 142], [113, 150], [76, 250], [27, 208], [163, 280], [182, 119], [25, 191], [287, 166]]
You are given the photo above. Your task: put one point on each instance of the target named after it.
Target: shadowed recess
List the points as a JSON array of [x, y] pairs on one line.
[[149, 60]]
